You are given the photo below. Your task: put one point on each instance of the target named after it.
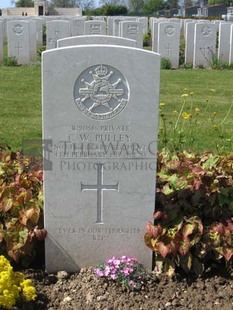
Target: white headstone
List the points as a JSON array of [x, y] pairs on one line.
[[189, 42], [39, 30], [94, 39], [100, 114], [116, 23], [1, 40], [77, 26], [169, 42], [224, 42], [95, 27], [110, 22], [144, 21], [204, 44], [32, 41], [231, 46], [56, 29], [154, 35], [132, 30], [18, 41]]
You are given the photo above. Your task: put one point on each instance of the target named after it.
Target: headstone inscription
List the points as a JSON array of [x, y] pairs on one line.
[[95, 27], [100, 115], [95, 39]]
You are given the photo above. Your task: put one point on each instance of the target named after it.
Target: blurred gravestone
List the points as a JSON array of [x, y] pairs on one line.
[[95, 39], [204, 45], [56, 29]]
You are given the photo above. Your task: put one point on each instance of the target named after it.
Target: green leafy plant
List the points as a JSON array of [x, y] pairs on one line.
[[125, 270], [13, 286], [166, 63], [146, 39], [10, 62], [215, 62], [193, 221], [21, 222]]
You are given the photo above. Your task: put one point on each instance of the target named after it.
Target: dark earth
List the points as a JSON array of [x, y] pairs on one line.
[[84, 290]]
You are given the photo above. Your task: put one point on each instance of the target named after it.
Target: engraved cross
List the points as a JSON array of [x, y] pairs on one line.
[[99, 187], [18, 47], [169, 50]]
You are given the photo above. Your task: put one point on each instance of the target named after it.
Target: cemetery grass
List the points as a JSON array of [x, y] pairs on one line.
[[206, 95]]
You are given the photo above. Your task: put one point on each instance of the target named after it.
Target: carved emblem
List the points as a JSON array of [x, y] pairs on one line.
[[95, 29], [101, 92], [169, 30], [206, 30], [132, 29], [18, 29]]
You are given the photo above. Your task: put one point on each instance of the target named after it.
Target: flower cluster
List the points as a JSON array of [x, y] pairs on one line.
[[13, 286], [126, 270]]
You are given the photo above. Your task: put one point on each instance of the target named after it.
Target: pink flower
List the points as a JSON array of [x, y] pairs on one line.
[[106, 271], [98, 272], [131, 283], [113, 276], [127, 271]]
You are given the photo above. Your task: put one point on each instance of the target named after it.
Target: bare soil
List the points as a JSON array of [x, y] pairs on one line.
[[85, 291]]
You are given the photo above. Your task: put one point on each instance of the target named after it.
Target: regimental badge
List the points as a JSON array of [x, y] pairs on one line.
[[18, 29], [206, 31], [101, 92], [170, 30]]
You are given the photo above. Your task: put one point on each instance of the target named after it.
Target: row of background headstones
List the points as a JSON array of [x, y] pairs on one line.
[[21, 43], [200, 36]]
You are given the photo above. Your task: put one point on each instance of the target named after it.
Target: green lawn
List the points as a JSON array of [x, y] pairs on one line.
[[209, 101]]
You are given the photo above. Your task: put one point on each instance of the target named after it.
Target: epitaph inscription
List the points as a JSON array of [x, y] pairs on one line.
[[101, 92]]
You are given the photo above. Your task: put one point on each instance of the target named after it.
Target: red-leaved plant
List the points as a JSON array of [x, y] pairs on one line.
[[21, 202], [193, 221]]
